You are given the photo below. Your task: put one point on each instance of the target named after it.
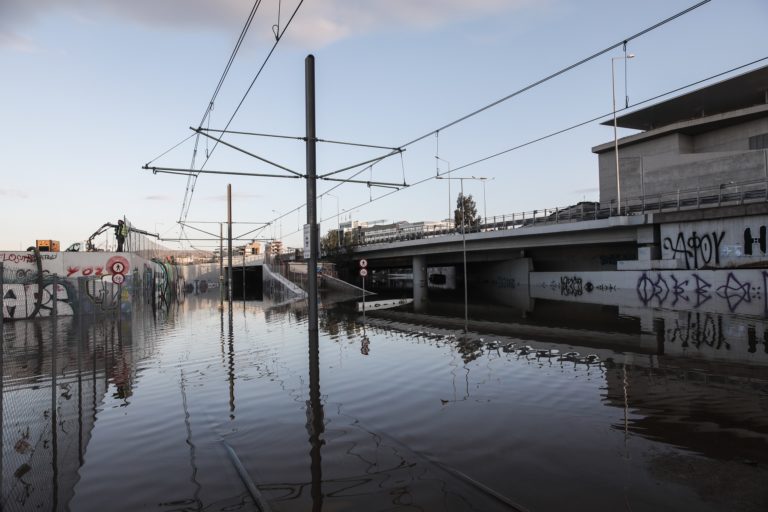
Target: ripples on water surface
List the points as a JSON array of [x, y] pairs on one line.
[[404, 414]]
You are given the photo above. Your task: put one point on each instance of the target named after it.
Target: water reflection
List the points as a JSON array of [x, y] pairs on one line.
[[56, 373], [315, 421], [405, 412]]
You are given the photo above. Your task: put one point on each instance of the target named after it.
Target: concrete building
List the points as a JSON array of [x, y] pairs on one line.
[[714, 139], [398, 230]]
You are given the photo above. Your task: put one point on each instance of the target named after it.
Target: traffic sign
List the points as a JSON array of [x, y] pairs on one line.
[[363, 272], [363, 263], [118, 278]]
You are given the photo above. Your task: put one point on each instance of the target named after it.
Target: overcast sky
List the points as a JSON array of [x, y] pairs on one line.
[[93, 89]]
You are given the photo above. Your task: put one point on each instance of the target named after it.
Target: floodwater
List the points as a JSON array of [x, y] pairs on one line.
[[559, 408]]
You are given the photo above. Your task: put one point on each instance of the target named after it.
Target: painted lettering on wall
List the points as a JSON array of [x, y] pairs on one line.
[[695, 290], [27, 301], [696, 250], [85, 271], [505, 282], [750, 241], [571, 286], [26, 257]]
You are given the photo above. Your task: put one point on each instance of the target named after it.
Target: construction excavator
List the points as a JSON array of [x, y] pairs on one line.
[[89, 245]]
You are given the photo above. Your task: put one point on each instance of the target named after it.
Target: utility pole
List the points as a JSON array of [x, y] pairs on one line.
[[221, 264], [229, 242], [309, 72]]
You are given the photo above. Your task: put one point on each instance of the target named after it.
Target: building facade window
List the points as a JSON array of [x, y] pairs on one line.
[[759, 141]]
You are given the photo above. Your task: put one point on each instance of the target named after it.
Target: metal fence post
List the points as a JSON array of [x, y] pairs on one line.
[[55, 305]]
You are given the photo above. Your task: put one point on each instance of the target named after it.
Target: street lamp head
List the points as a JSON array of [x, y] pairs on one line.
[[630, 55]]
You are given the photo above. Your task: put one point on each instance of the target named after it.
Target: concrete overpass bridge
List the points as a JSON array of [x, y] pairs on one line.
[[685, 237]]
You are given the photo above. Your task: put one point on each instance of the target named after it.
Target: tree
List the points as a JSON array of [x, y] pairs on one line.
[[337, 245], [469, 212]]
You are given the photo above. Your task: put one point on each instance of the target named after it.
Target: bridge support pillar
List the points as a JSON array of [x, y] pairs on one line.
[[419, 282]]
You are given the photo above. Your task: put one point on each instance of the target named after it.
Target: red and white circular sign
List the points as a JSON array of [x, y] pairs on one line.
[[363, 263], [363, 272], [118, 265], [118, 278]]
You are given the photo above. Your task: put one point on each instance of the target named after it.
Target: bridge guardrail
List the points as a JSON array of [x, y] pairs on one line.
[[682, 199]]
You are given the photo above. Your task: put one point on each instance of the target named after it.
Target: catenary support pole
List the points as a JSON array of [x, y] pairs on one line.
[[309, 70], [221, 264], [229, 242]]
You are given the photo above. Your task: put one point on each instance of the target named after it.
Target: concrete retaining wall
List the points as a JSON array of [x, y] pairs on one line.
[[87, 283], [715, 291]]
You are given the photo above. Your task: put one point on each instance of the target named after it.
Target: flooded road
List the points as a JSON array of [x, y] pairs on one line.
[[559, 408]]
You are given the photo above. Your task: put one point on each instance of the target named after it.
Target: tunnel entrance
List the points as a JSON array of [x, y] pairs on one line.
[[247, 283]]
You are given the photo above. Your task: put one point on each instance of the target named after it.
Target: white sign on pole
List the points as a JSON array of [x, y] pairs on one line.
[[363, 263], [306, 241], [363, 272]]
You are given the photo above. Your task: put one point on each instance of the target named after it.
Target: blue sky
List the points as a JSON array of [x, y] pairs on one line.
[[93, 89]]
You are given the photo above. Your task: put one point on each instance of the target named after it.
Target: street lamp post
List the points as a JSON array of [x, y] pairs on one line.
[[615, 129], [280, 229], [485, 209], [464, 242], [338, 223], [449, 185]]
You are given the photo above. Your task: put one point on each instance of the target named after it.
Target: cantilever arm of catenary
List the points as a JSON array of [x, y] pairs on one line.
[[370, 183], [192, 172], [198, 229], [218, 139], [371, 161]]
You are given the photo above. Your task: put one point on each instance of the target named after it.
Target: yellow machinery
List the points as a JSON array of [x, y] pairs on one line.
[[47, 245]]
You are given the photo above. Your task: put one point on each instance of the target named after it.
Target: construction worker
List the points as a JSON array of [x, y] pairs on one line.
[[121, 231]]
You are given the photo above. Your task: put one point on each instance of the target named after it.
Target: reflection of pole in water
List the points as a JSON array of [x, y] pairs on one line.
[[231, 365], [315, 423], [54, 402], [192, 458], [82, 342], [2, 373]]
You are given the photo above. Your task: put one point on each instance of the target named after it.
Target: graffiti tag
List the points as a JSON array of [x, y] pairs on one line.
[[696, 250]]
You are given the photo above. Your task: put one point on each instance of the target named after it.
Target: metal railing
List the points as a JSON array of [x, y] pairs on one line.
[[729, 194]]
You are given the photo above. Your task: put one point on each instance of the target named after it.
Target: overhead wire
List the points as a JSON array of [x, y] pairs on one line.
[[477, 111], [556, 73], [242, 100], [555, 133], [190, 184], [532, 85], [185, 139]]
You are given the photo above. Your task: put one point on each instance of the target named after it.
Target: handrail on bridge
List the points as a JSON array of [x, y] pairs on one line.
[[682, 199]]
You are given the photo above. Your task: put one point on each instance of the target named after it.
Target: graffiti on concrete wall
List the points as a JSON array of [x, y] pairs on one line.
[[695, 249], [575, 286], [24, 300], [740, 291], [751, 242], [571, 286], [715, 243], [693, 289]]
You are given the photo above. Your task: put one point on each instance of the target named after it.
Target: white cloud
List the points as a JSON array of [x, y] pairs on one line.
[[18, 194], [319, 22]]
